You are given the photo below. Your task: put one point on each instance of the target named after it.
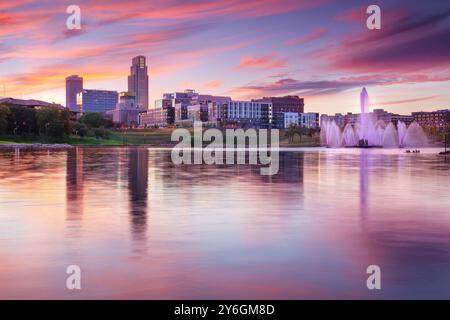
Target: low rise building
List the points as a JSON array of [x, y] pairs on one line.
[[127, 111], [309, 120], [162, 115], [439, 119], [283, 120], [284, 104], [245, 114]]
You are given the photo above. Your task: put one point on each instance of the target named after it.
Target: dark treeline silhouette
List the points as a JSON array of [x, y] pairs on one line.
[[45, 121], [50, 122]]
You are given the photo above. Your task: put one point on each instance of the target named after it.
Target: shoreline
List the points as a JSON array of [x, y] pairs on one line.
[[35, 146], [65, 146]]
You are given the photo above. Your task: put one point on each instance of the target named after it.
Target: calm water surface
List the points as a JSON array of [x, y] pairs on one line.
[[141, 227]]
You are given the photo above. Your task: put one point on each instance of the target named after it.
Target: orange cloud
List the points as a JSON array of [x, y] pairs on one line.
[[51, 77]]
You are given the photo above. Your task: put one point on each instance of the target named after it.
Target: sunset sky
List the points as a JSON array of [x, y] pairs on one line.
[[320, 50]]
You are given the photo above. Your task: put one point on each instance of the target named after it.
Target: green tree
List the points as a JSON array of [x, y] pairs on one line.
[[22, 120], [291, 132], [93, 119], [65, 116], [49, 122], [79, 129], [4, 114], [101, 133]]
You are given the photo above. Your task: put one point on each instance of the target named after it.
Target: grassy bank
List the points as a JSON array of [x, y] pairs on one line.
[[297, 141], [155, 137], [116, 138]]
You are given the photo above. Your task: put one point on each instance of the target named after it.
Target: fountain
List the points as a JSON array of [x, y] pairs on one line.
[[370, 132]]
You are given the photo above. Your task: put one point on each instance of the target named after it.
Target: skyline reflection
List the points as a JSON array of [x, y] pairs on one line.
[[142, 227]]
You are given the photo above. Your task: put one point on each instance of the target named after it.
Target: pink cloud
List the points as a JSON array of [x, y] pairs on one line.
[[118, 11], [356, 14], [214, 84], [405, 100], [262, 62]]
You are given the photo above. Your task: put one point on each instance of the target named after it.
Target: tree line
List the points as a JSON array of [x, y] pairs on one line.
[[295, 129], [51, 122]]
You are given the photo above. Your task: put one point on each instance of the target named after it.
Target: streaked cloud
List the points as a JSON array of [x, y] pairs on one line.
[[326, 87], [213, 84], [393, 102], [248, 48], [262, 62], [314, 35], [402, 45]]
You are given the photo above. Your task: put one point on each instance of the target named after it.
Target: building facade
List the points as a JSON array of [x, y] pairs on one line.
[[284, 104], [161, 116], [74, 85], [127, 111], [245, 114], [376, 115], [309, 120], [439, 119], [138, 81], [89, 100], [282, 120]]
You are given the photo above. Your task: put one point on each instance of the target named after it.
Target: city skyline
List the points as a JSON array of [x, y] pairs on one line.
[[321, 51]]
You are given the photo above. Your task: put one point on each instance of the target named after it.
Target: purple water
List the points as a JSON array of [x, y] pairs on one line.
[[141, 227]]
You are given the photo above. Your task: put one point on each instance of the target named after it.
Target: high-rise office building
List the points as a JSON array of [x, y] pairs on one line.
[[74, 85], [138, 81]]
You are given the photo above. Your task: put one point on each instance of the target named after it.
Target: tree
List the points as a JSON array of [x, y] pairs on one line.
[[49, 122], [65, 115], [101, 133], [291, 132], [301, 131], [93, 120], [4, 113], [79, 129], [22, 120]]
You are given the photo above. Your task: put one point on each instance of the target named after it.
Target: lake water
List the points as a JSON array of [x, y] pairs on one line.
[[141, 227]]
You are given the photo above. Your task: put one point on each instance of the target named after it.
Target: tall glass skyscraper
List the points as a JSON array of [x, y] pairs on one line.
[[138, 81], [74, 85]]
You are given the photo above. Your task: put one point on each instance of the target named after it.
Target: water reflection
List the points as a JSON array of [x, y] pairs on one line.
[[137, 189], [363, 186], [143, 227], [74, 184]]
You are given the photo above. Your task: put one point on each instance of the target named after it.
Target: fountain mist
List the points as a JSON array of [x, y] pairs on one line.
[[372, 132]]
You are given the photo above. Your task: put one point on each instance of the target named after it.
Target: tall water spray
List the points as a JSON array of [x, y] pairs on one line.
[[364, 104], [369, 131]]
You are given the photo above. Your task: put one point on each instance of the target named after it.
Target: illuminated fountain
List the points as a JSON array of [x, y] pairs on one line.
[[369, 132]]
